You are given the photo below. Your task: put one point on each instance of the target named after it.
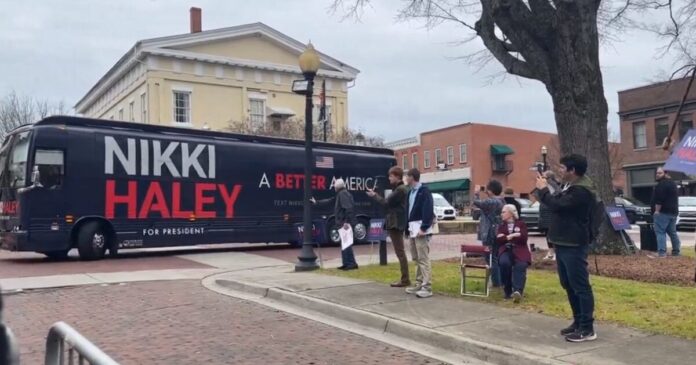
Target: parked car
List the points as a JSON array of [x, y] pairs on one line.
[[687, 212], [635, 210], [530, 214], [443, 209]]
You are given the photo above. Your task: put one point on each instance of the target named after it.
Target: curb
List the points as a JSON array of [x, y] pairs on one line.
[[486, 352]]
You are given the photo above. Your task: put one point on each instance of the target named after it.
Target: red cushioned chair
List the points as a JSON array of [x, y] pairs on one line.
[[475, 251]]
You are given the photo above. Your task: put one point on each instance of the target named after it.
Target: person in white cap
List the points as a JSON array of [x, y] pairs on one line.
[[344, 216]]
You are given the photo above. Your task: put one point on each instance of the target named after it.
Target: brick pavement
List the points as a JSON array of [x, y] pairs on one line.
[[183, 323]]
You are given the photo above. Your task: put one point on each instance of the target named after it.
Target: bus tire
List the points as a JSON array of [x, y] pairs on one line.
[[332, 233], [92, 241], [57, 255], [361, 229]]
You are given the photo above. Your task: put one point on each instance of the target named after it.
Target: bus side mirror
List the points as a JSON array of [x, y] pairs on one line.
[[36, 177]]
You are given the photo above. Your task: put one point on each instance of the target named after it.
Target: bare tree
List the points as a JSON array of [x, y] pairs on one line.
[[294, 129], [16, 110], [556, 42]]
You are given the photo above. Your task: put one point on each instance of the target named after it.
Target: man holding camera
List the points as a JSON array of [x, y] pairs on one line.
[[570, 233]]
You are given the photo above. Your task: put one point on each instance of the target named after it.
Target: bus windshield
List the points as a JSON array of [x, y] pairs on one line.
[[13, 161]]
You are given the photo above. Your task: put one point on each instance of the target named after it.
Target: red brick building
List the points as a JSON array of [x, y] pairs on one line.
[[455, 159], [646, 114]]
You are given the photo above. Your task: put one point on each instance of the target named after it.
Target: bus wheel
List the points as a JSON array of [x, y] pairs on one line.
[[360, 231], [57, 255], [332, 233], [92, 241]]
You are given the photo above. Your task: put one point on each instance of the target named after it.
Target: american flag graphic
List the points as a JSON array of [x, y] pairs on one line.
[[324, 162]]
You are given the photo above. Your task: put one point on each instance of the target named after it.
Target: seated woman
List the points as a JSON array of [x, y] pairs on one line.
[[514, 255]]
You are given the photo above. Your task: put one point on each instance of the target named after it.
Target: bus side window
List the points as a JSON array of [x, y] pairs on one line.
[[51, 168]]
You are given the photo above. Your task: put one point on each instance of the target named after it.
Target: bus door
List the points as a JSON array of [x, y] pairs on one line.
[[45, 200]]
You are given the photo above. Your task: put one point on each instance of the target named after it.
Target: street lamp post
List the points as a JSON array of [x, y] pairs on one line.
[[544, 153], [309, 64]]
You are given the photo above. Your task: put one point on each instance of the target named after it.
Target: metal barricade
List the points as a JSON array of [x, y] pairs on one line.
[[11, 353], [66, 346]]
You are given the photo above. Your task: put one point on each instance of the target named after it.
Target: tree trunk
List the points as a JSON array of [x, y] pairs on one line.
[[580, 108]]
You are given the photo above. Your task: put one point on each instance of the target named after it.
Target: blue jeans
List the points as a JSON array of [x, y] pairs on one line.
[[666, 224], [493, 262], [348, 257], [575, 279], [513, 273]]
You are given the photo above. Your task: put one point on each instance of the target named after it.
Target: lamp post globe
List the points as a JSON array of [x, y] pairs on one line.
[[309, 64], [544, 153]]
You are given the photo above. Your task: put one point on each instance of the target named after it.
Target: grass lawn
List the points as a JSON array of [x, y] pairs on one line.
[[654, 308]]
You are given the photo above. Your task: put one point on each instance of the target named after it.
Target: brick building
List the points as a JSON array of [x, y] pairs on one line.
[[646, 114], [455, 159]]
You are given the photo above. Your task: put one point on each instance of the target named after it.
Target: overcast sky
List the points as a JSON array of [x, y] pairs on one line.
[[410, 80]]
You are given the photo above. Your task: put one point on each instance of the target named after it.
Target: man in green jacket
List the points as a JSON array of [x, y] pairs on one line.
[[395, 219]]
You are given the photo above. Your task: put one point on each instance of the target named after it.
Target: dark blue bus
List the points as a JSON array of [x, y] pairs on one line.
[[98, 185]]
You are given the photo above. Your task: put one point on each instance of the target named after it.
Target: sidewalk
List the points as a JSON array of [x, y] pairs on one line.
[[458, 329]]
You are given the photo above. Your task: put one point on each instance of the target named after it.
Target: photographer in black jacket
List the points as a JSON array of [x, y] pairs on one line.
[[569, 232]]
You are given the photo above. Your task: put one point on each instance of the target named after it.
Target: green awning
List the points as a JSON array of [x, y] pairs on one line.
[[501, 149], [450, 185]]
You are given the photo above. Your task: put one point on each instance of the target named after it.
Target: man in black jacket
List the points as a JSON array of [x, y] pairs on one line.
[[421, 213], [395, 219], [665, 208], [344, 217], [570, 234]]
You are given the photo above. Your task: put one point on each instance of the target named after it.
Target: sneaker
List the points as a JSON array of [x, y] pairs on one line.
[[569, 330], [350, 267], [550, 257], [413, 289], [516, 297], [581, 336], [424, 293], [342, 267]]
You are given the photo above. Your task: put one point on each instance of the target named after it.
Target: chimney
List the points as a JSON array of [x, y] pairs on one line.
[[196, 22]]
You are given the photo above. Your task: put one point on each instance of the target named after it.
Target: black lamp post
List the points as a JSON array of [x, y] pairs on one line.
[[309, 64], [544, 153]]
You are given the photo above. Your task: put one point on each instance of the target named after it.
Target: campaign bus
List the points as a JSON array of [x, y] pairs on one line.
[[103, 185]]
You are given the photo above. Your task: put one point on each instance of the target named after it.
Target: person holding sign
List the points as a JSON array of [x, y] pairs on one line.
[[344, 215], [395, 219], [421, 215]]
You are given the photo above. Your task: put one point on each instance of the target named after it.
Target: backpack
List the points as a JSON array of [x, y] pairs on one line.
[[596, 217]]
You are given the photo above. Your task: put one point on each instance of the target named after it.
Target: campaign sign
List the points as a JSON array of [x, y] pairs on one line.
[[317, 231], [376, 231], [683, 159], [618, 218]]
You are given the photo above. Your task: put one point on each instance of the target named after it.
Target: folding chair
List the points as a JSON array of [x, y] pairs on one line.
[[475, 251]]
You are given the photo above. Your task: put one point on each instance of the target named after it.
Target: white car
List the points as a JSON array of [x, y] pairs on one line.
[[443, 209], [687, 212]]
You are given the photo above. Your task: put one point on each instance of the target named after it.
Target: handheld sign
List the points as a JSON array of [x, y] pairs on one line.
[[618, 218], [376, 231], [683, 159]]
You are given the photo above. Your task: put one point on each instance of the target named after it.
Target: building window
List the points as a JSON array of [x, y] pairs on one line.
[[661, 130], [414, 162], [182, 107], [143, 108], [257, 112], [120, 114], [639, 138], [685, 123], [450, 155], [131, 111], [462, 153], [426, 159], [404, 161], [438, 156]]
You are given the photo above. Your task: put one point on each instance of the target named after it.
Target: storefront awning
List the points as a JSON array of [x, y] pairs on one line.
[[501, 149], [279, 112], [450, 185]]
